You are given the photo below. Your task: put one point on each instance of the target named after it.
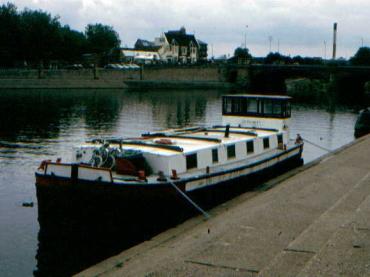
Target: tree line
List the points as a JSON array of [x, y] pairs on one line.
[[33, 38]]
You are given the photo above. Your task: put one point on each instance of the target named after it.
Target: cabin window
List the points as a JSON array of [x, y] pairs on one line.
[[236, 106], [252, 106], [215, 155], [280, 138], [227, 106], [231, 151], [286, 109], [267, 107], [250, 147], [277, 109], [191, 161], [266, 143]]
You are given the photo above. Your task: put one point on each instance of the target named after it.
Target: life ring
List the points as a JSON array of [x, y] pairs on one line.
[[164, 141]]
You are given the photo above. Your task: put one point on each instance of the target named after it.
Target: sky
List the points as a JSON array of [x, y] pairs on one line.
[[294, 27]]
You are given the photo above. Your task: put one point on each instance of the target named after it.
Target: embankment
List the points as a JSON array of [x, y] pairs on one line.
[[212, 76], [54, 79]]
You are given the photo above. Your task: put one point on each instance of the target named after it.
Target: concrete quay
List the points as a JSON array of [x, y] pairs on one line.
[[315, 222]]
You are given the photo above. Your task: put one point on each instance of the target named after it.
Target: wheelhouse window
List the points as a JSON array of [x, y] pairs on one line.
[[231, 152], [250, 147], [268, 107], [252, 105], [191, 161], [262, 106], [266, 143], [215, 155]]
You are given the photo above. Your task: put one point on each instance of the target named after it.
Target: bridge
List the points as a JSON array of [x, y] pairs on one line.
[[273, 77]]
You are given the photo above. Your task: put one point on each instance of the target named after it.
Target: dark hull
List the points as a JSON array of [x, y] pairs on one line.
[[94, 222]]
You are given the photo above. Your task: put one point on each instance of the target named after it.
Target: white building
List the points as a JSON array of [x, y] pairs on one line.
[[175, 47]]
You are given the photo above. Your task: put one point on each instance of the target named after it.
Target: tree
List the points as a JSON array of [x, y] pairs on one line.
[[9, 34], [242, 53], [36, 36], [40, 35], [274, 58], [362, 57], [73, 45], [101, 38]]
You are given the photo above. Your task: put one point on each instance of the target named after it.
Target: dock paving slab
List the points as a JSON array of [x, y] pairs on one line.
[[284, 231]]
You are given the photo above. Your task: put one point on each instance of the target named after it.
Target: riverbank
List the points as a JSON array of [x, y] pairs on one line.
[[167, 77], [314, 223]]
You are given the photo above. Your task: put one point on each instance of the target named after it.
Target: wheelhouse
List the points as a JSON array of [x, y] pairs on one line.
[[256, 106], [258, 111]]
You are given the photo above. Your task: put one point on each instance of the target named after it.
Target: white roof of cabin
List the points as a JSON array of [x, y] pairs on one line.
[[191, 145]]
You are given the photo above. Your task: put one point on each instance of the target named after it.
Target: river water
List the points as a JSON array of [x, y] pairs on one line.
[[40, 124]]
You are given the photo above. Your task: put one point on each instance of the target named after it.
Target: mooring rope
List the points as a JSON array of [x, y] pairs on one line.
[[205, 214], [318, 146]]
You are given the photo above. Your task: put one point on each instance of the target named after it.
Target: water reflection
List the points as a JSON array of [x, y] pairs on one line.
[[41, 114]]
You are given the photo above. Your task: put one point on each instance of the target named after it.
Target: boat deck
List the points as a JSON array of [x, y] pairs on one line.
[[217, 168]]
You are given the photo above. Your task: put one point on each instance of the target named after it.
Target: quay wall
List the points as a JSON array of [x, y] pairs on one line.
[[190, 73], [106, 78], [84, 78]]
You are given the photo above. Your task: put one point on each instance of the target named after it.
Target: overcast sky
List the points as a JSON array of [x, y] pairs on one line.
[[300, 26]]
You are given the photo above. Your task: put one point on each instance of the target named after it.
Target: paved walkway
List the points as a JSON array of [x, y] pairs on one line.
[[316, 222]]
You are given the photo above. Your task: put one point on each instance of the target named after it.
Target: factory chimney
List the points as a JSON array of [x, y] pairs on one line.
[[334, 40]]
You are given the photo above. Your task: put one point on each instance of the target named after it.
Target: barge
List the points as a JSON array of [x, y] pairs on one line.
[[149, 171]]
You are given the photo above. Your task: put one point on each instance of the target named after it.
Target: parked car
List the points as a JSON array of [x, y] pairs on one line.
[[74, 66]]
